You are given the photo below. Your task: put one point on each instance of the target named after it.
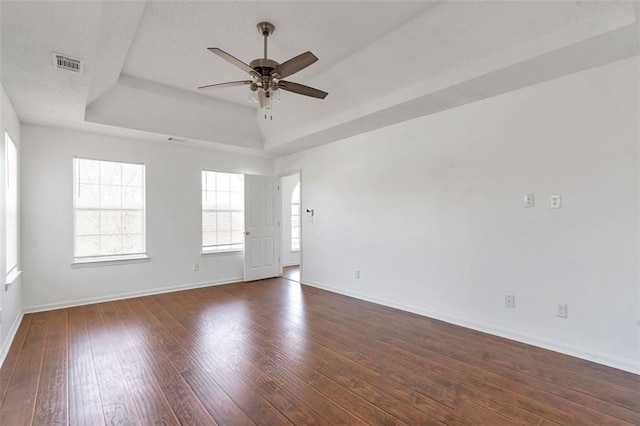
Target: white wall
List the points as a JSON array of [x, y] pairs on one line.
[[430, 211], [173, 203], [10, 299], [287, 186]]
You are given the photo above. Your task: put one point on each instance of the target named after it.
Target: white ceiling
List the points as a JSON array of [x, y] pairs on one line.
[[382, 62]]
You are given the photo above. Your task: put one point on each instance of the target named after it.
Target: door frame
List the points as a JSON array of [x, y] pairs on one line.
[[280, 176]]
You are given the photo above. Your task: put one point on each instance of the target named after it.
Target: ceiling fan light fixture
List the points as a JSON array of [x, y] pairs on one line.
[[253, 96], [274, 95], [267, 74]]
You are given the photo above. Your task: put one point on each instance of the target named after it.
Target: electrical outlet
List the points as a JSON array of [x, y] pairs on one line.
[[528, 201], [555, 201], [562, 311], [509, 301], [357, 274], [196, 267]]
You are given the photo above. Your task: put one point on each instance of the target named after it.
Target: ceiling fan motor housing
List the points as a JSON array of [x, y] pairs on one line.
[[264, 66]]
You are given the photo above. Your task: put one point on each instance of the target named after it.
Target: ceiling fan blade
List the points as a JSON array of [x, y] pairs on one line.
[[234, 61], [229, 84], [294, 65], [301, 89]]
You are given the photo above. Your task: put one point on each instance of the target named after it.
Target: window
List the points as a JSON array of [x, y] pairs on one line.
[[109, 209], [295, 218], [222, 211], [11, 206]]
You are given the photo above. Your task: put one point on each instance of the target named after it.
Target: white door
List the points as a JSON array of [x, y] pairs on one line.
[[262, 231]]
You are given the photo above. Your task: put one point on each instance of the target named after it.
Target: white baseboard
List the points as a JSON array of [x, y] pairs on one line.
[[290, 264], [4, 350], [599, 358], [130, 295]]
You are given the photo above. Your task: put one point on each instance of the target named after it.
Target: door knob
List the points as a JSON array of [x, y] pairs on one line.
[[247, 232]]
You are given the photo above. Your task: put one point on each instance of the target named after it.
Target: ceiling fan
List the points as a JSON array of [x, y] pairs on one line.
[[267, 75]]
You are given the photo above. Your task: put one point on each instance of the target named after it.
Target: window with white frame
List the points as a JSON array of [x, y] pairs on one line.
[[295, 218], [109, 209], [11, 205], [222, 211]]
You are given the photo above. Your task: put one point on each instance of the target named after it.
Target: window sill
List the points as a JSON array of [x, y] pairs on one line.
[[221, 252], [109, 260], [11, 278]]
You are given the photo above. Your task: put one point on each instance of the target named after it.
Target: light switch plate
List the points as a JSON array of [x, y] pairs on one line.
[[562, 311]]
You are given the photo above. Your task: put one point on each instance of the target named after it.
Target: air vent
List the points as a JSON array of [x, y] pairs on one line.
[[66, 63]]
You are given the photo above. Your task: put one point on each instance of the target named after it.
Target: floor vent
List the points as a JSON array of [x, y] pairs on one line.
[[66, 63]]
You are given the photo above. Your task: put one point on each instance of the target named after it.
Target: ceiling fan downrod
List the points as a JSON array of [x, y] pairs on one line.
[[266, 29]]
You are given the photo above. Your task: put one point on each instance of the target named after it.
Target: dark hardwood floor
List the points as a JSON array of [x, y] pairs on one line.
[[291, 273], [275, 352]]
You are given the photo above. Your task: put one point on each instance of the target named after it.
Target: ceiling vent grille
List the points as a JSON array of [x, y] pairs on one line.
[[66, 63]]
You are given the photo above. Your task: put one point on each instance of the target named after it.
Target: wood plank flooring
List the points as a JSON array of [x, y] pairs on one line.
[[275, 352]]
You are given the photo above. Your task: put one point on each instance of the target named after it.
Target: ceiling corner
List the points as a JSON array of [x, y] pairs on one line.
[[119, 22]]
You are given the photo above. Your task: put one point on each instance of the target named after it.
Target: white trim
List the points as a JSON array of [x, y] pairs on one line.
[[290, 264], [599, 358], [130, 295], [10, 336], [289, 173], [11, 204], [89, 262], [220, 252], [109, 161]]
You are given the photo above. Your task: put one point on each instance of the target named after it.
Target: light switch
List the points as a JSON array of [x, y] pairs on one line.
[[555, 201]]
